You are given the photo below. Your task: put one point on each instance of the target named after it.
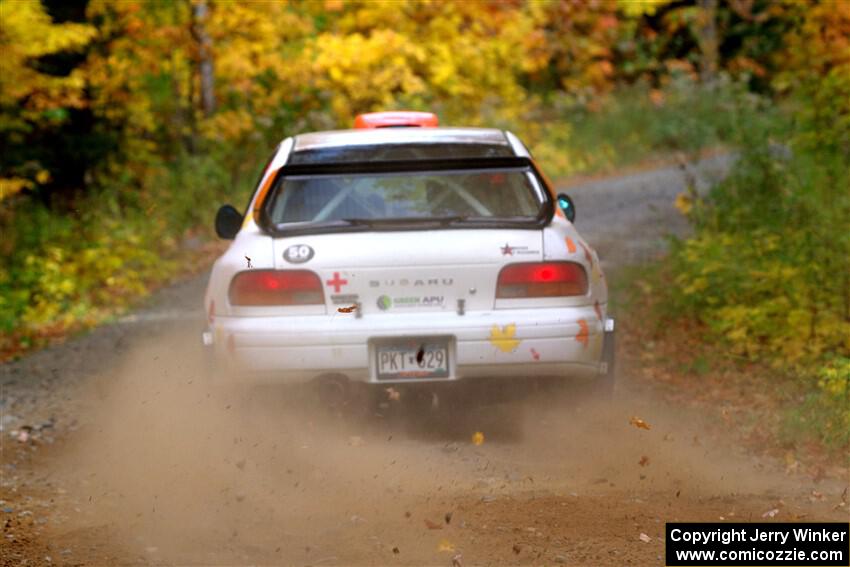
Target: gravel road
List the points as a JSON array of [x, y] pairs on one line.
[[115, 450]]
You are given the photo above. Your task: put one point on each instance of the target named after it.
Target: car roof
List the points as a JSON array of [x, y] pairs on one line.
[[406, 135]]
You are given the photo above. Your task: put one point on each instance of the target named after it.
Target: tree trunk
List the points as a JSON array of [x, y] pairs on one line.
[[708, 42], [205, 60]]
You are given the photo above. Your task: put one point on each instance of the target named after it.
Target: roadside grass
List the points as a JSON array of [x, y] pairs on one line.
[[772, 411]]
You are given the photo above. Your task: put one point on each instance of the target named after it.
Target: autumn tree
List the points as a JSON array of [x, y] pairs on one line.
[[39, 93]]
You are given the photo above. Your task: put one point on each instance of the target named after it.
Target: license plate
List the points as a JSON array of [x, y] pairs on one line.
[[411, 359]]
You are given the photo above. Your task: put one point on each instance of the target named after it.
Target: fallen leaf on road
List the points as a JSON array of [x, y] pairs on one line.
[[445, 545], [517, 548], [770, 513], [639, 423], [393, 394], [433, 525], [396, 551], [645, 538], [791, 463], [477, 438], [456, 560], [644, 460], [448, 517]]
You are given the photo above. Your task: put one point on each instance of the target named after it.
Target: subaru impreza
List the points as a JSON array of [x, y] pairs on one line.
[[400, 252]]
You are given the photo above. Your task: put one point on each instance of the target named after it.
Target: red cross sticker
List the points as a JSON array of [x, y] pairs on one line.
[[337, 283]]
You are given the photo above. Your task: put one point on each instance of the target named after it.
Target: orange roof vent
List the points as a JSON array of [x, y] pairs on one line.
[[396, 119]]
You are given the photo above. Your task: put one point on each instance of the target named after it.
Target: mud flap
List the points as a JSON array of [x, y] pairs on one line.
[[608, 364]]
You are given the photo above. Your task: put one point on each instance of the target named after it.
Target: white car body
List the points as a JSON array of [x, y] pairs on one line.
[[407, 284]]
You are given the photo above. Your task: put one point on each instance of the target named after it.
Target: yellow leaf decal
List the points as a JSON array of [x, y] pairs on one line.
[[503, 338]]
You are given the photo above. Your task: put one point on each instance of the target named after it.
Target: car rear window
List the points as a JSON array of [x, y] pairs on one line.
[[482, 194], [398, 152]]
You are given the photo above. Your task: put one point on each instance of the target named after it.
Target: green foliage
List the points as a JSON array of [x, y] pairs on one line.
[[768, 269], [824, 409], [635, 124], [62, 272]]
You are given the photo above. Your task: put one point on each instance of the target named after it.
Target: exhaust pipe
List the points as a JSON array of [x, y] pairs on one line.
[[333, 390]]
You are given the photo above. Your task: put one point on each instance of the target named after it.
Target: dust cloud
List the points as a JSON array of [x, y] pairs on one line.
[[177, 470]]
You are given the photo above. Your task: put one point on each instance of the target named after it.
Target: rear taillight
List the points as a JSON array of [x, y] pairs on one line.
[[276, 287], [545, 279]]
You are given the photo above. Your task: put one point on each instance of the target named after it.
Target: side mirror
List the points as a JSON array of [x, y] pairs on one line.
[[228, 221], [566, 204]]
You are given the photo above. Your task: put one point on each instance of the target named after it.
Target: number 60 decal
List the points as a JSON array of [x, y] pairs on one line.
[[298, 253]]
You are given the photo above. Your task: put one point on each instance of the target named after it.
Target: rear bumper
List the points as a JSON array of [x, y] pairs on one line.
[[511, 343]]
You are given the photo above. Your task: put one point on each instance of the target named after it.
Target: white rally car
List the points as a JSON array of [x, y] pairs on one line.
[[406, 254]]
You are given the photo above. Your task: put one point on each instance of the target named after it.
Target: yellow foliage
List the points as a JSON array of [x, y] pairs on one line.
[[460, 58], [366, 73], [11, 185], [27, 34], [640, 7]]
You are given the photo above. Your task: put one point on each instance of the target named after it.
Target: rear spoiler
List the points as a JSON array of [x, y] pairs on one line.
[[398, 166]]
